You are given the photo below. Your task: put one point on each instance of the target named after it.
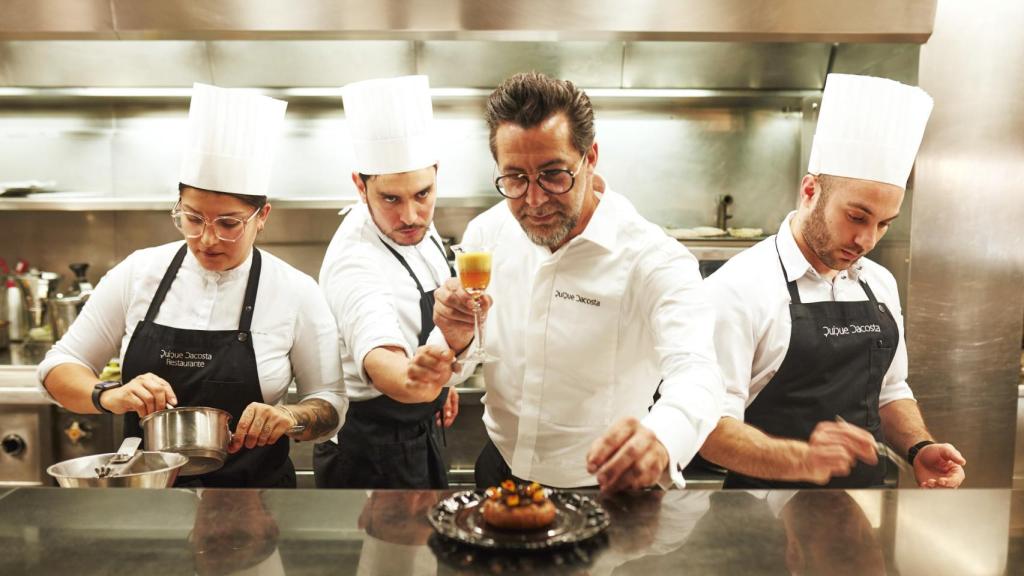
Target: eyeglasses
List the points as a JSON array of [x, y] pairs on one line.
[[192, 225], [557, 181]]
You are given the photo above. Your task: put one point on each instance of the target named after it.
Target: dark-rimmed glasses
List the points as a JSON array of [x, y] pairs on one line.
[[554, 181]]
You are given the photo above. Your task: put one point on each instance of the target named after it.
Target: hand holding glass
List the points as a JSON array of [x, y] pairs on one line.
[[475, 275]]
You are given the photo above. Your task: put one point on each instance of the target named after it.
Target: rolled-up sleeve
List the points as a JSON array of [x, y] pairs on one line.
[[894, 384], [316, 365], [675, 306], [362, 302], [96, 335]]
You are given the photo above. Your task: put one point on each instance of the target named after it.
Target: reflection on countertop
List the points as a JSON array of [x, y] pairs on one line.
[[121, 531]]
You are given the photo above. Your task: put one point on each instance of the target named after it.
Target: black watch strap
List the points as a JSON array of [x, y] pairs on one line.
[[99, 389], [912, 453]]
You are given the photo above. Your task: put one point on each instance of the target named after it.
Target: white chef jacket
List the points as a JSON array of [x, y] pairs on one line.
[[753, 324], [586, 334], [293, 333], [372, 296]]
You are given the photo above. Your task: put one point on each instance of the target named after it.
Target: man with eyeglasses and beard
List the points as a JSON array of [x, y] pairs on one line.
[[593, 306], [809, 332]]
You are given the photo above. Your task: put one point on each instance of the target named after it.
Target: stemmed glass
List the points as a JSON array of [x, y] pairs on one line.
[[474, 266]]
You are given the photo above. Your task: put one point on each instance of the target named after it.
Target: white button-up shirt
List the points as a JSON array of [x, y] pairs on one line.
[[293, 333], [586, 334], [371, 294], [753, 324]]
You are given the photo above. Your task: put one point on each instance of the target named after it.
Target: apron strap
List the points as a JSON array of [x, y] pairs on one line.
[[165, 283], [252, 285], [443, 255], [404, 265], [871, 295], [794, 292]]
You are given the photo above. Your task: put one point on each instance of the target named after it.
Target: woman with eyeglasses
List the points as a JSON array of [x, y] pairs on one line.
[[212, 321]]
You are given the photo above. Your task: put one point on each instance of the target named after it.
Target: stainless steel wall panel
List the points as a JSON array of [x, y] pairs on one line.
[[308, 63], [104, 63], [674, 167], [70, 148], [725, 65], [899, 62], [486, 64], [966, 296], [146, 151], [56, 19]]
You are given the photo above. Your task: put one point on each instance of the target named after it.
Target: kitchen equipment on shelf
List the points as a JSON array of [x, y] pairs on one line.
[[63, 309]]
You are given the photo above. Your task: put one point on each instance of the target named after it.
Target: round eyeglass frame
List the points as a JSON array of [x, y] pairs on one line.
[[177, 212], [536, 176]]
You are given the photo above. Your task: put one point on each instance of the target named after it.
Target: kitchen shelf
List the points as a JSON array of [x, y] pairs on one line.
[[45, 203], [453, 95]]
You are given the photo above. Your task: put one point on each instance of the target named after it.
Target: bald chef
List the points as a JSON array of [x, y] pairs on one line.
[[809, 332], [379, 276]]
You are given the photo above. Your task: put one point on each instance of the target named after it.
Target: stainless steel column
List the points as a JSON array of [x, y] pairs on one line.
[[966, 296]]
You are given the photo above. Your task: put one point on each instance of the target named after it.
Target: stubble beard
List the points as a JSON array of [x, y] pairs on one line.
[[815, 232], [551, 235]]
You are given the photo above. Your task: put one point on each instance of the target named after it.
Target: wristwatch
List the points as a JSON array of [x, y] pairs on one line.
[[100, 388], [912, 453]]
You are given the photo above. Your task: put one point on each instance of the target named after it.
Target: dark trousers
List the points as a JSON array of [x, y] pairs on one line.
[[491, 469]]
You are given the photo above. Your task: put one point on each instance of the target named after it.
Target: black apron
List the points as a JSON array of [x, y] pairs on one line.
[[385, 443], [837, 358], [214, 368]]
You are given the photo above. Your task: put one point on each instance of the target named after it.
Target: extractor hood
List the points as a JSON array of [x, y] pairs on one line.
[[902, 21]]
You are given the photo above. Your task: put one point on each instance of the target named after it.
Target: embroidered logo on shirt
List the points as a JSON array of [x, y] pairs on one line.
[[185, 359], [829, 331], [577, 298]]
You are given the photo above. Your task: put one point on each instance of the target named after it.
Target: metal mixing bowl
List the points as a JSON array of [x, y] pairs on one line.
[[198, 432], [150, 470]]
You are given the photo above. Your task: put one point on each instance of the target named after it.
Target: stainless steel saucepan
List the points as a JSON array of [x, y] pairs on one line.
[[199, 432]]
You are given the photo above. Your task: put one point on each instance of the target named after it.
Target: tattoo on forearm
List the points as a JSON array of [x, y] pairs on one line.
[[319, 418]]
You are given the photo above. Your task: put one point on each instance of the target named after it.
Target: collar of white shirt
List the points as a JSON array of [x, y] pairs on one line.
[[242, 270], [603, 228], [794, 260]]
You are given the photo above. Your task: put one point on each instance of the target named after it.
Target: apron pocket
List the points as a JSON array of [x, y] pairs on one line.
[[402, 464]]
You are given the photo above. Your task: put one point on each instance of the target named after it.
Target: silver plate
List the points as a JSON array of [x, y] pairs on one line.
[[458, 517]]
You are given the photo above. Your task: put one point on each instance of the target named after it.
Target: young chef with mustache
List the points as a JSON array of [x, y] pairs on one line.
[[212, 321], [593, 307], [809, 331], [379, 277]]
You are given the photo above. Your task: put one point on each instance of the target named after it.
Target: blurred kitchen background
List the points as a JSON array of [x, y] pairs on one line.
[[705, 113]]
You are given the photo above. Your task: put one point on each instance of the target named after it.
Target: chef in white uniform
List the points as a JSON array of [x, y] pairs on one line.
[[379, 277], [809, 331], [211, 320], [595, 311]]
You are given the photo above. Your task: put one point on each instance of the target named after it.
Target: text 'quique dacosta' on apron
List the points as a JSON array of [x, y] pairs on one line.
[[385, 443], [213, 368], [837, 358]]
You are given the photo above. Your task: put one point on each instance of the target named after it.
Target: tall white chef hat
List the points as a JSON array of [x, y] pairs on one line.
[[232, 135], [392, 124], [869, 128]]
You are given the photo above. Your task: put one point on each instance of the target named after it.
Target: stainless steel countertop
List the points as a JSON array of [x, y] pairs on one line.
[[121, 531]]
